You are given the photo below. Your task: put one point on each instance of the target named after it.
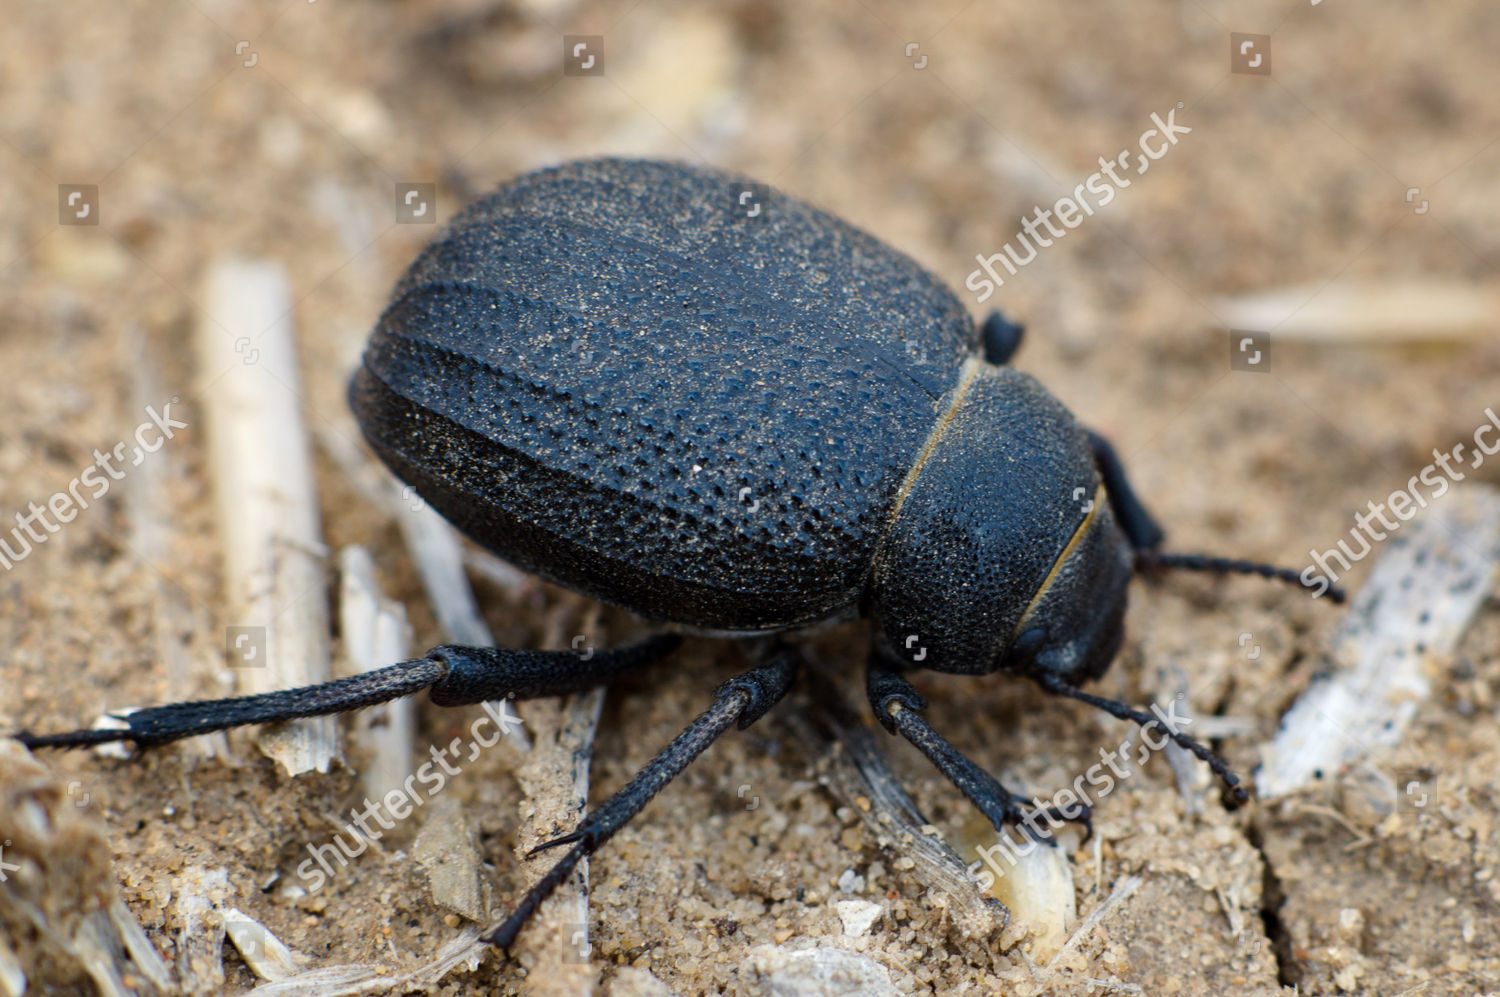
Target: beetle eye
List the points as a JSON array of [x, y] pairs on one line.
[[1029, 643]]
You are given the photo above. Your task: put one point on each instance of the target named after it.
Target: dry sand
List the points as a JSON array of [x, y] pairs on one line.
[[1293, 179]]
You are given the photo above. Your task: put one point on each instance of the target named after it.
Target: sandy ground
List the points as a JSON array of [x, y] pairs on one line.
[[1366, 158]]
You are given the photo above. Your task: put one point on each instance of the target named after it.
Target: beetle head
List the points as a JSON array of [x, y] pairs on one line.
[[1004, 552], [1075, 622]]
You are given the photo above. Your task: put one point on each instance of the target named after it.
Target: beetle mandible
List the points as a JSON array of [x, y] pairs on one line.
[[725, 410]]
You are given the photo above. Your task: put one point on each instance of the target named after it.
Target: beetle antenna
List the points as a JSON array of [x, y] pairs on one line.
[[1146, 721], [1149, 560]]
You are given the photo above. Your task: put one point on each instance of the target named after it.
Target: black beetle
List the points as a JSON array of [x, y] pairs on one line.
[[714, 405]]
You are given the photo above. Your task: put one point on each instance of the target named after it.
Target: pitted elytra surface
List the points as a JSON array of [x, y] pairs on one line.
[[638, 372]]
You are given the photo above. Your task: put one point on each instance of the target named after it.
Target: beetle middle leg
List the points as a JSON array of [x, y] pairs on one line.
[[741, 701], [897, 705]]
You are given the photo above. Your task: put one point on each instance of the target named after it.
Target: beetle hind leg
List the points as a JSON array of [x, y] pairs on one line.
[[897, 705], [452, 676], [739, 702]]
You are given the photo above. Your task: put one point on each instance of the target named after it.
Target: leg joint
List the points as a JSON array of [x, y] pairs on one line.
[[888, 691], [763, 687]]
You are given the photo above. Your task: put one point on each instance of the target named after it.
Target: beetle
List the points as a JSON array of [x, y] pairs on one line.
[[697, 398]]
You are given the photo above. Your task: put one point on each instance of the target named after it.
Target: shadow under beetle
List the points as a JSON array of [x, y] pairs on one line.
[[720, 408]]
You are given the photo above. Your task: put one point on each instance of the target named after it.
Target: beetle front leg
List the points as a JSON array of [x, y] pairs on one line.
[[1140, 528], [741, 701], [453, 676], [897, 704]]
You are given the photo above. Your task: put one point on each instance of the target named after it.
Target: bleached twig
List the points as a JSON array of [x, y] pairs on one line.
[[1393, 310], [53, 851], [502, 573], [376, 635], [266, 503], [858, 774], [148, 509], [434, 547], [439, 557], [267, 956], [464, 949], [555, 778], [1423, 591], [446, 849], [196, 907]]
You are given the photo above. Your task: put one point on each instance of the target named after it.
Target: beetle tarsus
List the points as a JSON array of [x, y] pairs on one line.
[[754, 691], [156, 725], [71, 739], [565, 839]]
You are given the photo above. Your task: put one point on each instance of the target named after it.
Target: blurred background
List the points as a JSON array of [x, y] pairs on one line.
[[1335, 197]]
